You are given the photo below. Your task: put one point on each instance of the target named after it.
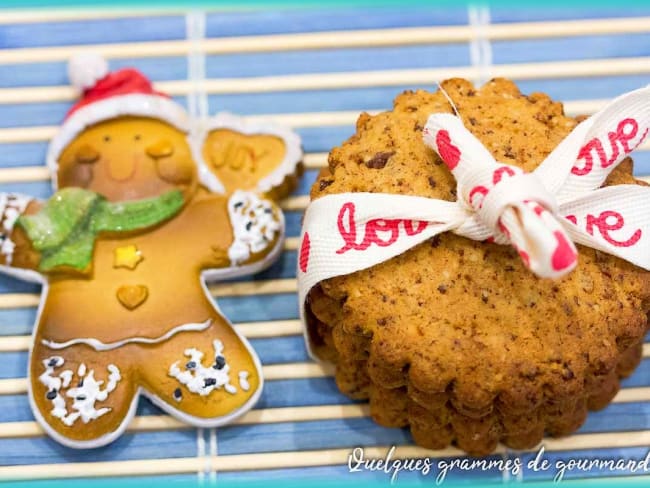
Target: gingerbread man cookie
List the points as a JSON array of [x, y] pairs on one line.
[[123, 249]]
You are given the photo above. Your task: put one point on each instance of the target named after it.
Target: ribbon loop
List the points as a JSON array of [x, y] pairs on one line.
[[518, 189]]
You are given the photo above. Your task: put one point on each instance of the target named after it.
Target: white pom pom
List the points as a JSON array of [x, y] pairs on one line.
[[85, 69]]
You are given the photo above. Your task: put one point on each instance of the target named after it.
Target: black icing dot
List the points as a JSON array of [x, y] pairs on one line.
[[219, 362], [249, 225], [268, 210], [238, 204], [51, 395], [80, 384], [178, 394], [191, 365], [209, 382], [52, 362], [81, 397]]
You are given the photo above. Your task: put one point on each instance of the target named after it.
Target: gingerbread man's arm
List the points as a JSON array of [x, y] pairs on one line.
[[16, 250], [242, 232]]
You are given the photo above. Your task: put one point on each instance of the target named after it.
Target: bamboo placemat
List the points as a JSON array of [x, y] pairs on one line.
[[314, 70]]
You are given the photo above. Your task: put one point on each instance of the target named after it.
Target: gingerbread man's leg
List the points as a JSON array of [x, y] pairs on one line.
[[205, 378], [82, 397]]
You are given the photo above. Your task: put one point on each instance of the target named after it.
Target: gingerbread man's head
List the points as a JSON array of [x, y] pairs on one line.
[[123, 139]]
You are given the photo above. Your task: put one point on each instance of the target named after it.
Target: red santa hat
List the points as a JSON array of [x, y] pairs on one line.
[[106, 95]]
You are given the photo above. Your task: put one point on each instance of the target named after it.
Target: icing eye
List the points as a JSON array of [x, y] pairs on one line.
[[238, 204], [190, 365], [249, 225]]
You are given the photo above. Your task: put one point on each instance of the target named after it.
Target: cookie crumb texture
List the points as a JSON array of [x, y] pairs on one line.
[[455, 338]]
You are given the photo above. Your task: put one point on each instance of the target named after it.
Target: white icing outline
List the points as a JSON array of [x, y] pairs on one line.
[[100, 346], [138, 104], [12, 206], [226, 120]]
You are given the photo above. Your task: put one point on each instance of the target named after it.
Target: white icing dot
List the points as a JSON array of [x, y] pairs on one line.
[[243, 381]]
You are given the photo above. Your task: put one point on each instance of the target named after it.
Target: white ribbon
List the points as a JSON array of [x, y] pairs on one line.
[[541, 214]]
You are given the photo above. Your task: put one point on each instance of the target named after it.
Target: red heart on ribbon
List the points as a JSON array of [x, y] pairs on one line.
[[303, 260], [449, 153]]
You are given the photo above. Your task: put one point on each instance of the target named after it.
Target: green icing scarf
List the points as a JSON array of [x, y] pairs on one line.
[[66, 227]]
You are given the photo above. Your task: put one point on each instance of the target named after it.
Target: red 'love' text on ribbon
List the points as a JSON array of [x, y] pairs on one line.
[[608, 221], [626, 131], [348, 229]]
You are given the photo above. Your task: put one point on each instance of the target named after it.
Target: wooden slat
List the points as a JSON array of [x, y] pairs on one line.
[[361, 79], [336, 39], [41, 173], [252, 330], [291, 459], [243, 288], [261, 287], [420, 77], [294, 120], [27, 134], [291, 243], [271, 328], [287, 371], [13, 386], [37, 16], [266, 416], [148, 423], [295, 203], [15, 343], [18, 300]]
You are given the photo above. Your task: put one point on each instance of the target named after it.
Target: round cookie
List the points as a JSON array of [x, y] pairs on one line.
[[456, 338]]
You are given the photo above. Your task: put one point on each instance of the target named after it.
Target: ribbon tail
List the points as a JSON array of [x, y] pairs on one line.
[[542, 243], [614, 219]]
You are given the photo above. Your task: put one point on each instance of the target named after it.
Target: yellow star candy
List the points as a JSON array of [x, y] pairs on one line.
[[127, 257]]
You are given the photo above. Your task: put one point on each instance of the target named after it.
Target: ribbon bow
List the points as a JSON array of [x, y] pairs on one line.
[[541, 214]]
